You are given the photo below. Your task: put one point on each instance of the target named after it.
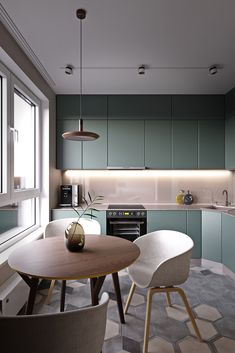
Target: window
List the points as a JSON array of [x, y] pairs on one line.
[[19, 159]]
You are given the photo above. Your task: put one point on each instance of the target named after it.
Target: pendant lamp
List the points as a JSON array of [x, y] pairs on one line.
[[80, 135]]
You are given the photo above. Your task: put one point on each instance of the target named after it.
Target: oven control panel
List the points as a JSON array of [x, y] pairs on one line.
[[126, 214]]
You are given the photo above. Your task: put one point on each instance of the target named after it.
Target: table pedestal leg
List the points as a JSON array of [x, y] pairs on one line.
[[118, 296], [33, 284], [96, 284], [62, 295]]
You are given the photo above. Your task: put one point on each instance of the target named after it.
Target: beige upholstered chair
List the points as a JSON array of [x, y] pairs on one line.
[[163, 263], [80, 331], [57, 228]]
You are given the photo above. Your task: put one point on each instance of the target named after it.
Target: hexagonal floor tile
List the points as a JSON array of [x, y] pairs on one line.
[[206, 329], [123, 352], [225, 345], [192, 345], [112, 329], [177, 312], [159, 345], [207, 312], [136, 300]]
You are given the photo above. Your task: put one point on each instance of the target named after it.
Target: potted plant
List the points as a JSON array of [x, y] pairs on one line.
[[74, 233]]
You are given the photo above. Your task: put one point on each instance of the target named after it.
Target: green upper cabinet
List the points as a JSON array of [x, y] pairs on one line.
[[69, 153], [230, 130], [93, 106], [185, 144], [211, 236], [158, 144], [95, 152], [126, 143], [139, 107], [211, 144], [198, 107], [228, 241]]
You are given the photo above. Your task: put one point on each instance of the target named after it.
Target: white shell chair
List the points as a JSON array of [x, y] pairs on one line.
[[164, 262], [80, 331], [57, 228]]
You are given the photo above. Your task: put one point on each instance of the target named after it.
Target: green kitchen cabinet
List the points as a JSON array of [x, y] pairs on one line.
[[94, 153], [194, 231], [158, 144], [211, 144], [139, 106], [198, 106], [93, 106], [172, 220], [185, 144], [211, 236], [69, 153], [126, 143], [228, 241], [58, 213], [230, 130]]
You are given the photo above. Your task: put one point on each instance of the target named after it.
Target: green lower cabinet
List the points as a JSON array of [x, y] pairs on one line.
[[195, 232], [211, 236], [95, 152], [228, 241], [69, 213], [69, 153], [173, 220]]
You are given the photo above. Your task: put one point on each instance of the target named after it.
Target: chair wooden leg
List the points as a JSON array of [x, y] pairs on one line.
[[190, 314], [52, 285], [130, 295], [147, 320], [168, 299]]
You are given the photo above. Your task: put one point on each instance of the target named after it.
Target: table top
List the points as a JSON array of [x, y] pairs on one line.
[[49, 257]]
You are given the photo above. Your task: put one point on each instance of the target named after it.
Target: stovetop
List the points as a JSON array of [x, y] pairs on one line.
[[126, 207]]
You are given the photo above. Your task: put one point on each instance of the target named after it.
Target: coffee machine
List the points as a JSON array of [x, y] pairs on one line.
[[70, 195]]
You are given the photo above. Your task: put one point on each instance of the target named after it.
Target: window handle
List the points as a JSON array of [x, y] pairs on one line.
[[15, 134]]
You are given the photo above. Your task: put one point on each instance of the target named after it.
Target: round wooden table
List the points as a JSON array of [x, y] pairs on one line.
[[49, 258]]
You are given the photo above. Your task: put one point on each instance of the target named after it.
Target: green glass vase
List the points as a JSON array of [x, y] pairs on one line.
[[74, 237]]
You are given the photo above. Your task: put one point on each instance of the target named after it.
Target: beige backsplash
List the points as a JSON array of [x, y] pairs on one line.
[[153, 186]]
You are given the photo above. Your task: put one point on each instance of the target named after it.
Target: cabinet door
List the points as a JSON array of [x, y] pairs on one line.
[[126, 143], [211, 236], [158, 144], [185, 144], [228, 241], [172, 220], [69, 153], [230, 143], [95, 152], [211, 144], [70, 213], [194, 231]]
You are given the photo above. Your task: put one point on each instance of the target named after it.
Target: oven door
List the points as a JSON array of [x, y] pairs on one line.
[[129, 229]]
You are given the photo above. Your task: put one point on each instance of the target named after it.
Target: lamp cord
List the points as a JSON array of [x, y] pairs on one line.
[[80, 120]]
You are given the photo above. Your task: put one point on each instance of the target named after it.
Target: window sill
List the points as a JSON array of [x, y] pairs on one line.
[[37, 234]]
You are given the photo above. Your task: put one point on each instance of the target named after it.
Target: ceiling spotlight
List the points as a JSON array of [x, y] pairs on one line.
[[213, 70], [68, 70], [141, 70]]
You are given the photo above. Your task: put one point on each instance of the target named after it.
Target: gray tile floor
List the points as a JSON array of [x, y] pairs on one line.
[[211, 296]]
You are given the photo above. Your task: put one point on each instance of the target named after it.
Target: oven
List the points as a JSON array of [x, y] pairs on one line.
[[126, 221]]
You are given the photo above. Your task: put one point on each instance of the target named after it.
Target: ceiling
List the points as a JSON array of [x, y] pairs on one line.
[[178, 40]]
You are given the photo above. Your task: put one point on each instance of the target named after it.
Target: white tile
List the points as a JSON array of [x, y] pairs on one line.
[[159, 345], [192, 345], [112, 329], [136, 300], [206, 329], [177, 312], [225, 345], [207, 312]]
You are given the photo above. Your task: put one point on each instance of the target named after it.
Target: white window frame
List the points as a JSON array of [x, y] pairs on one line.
[[10, 195]]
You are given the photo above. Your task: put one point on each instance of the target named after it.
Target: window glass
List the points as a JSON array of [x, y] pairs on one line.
[[1, 169], [24, 142], [16, 218]]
